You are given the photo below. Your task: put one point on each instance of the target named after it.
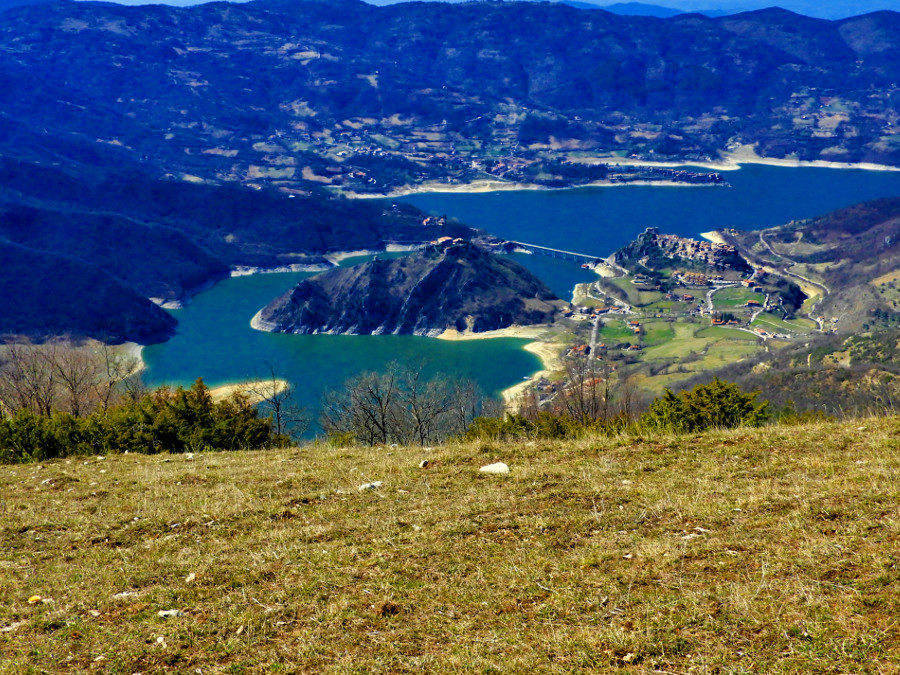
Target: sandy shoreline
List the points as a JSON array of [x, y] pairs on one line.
[[483, 186], [547, 352], [256, 390], [527, 332], [714, 237], [732, 161]]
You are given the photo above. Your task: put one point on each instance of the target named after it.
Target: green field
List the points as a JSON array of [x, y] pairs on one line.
[[683, 343], [616, 330], [732, 297], [636, 297], [658, 331], [722, 332], [773, 323]]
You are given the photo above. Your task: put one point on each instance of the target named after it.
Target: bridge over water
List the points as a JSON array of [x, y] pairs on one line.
[[556, 252]]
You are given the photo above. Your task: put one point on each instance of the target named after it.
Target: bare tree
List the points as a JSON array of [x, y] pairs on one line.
[[276, 397], [27, 378], [365, 408], [60, 375], [402, 406], [588, 391]]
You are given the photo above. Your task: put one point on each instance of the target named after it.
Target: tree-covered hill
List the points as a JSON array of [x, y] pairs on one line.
[[96, 243], [269, 91]]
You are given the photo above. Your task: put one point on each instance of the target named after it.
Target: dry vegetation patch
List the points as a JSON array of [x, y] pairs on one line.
[[770, 550]]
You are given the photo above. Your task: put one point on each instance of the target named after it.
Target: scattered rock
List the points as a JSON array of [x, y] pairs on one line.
[[374, 485], [495, 468], [125, 594], [424, 463], [189, 455], [190, 577], [169, 613], [11, 627]]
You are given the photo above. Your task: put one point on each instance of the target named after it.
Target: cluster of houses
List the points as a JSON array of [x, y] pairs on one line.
[[580, 312], [752, 284], [443, 242], [699, 278], [707, 252]]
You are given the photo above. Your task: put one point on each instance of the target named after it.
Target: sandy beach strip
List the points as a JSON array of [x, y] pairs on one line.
[[527, 332], [256, 390], [714, 237], [548, 352], [732, 161], [480, 187]]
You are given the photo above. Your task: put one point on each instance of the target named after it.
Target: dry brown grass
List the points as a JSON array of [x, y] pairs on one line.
[[775, 550]]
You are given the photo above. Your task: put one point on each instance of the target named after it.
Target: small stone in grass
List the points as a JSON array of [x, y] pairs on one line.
[[124, 594], [496, 468], [423, 463], [374, 485], [169, 613], [190, 577]]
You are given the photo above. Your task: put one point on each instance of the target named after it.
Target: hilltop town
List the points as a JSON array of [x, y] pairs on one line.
[[668, 308]]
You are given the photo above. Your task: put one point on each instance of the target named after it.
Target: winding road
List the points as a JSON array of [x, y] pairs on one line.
[[820, 322]]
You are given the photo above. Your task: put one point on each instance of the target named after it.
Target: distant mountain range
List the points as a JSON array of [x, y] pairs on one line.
[[160, 146], [820, 9], [644, 9], [345, 94]]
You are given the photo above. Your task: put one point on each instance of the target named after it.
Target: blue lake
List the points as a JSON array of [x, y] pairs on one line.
[[214, 338]]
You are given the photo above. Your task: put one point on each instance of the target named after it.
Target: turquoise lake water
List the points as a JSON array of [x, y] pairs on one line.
[[214, 338]]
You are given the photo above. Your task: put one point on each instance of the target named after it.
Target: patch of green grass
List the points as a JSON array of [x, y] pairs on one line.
[[658, 331], [723, 332], [636, 297], [770, 550], [735, 296], [614, 331], [683, 343], [776, 324]]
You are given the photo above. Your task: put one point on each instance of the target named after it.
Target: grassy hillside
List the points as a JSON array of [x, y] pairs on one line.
[[851, 255], [769, 550]]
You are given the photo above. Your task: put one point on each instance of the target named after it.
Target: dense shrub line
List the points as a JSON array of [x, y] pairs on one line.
[[165, 420], [714, 405]]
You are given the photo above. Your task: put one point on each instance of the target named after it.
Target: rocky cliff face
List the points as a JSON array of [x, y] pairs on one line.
[[455, 286]]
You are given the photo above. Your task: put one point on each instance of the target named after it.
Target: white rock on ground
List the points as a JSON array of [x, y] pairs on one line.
[[497, 468], [169, 613], [374, 485]]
